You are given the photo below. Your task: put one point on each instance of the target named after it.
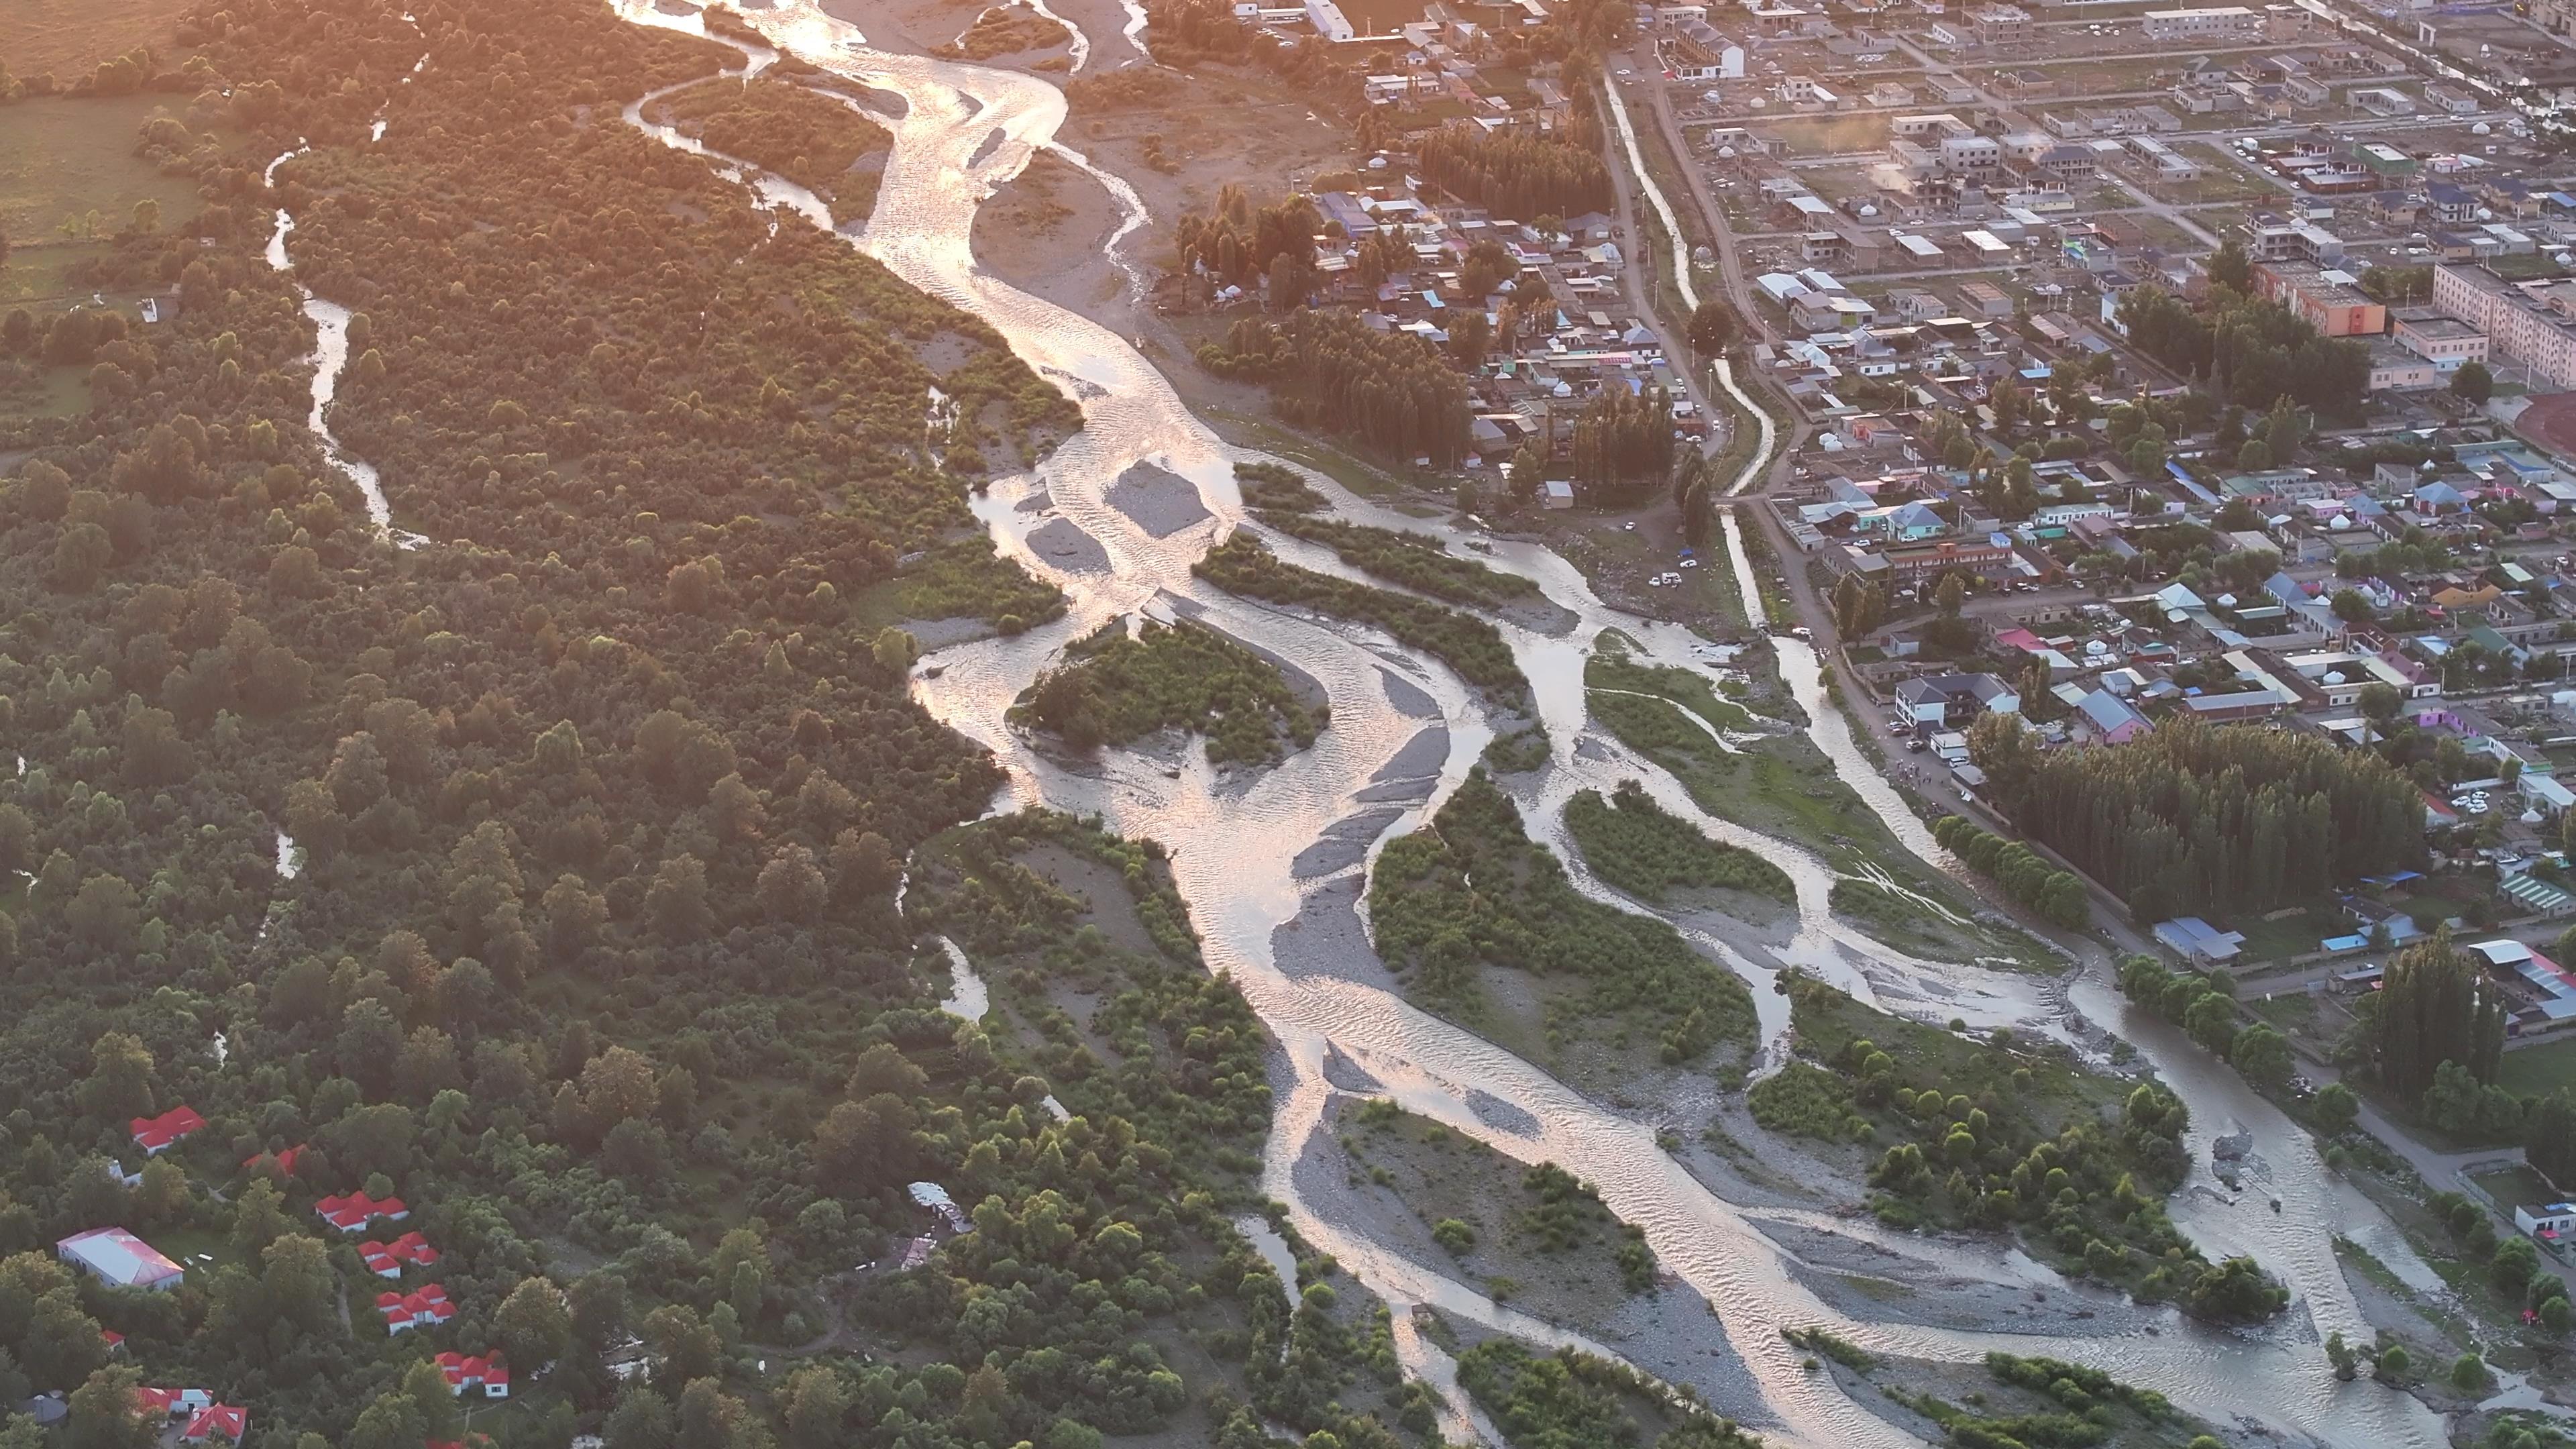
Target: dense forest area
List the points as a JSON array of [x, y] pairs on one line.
[[1522, 172], [1393, 391], [1116, 686], [2220, 820], [814, 140], [585, 944], [1471, 893]]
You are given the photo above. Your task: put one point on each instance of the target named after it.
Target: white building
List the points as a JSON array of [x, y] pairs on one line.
[[2223, 22], [1328, 20], [119, 1259]]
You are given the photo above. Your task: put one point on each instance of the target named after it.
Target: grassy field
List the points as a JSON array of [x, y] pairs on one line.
[[67, 38], [2516, 1186], [2536, 1071], [2289, 936], [61, 161]]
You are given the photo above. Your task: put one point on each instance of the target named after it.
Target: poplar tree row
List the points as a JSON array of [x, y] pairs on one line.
[[1521, 171], [1330, 370], [2218, 820]]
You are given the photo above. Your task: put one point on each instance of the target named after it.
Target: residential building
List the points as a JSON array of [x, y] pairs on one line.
[[2394, 369], [1985, 299], [423, 1309], [2383, 101], [155, 1134], [1986, 557], [2438, 337], [216, 1421], [2214, 23], [120, 1260], [1951, 701], [1970, 155], [2323, 299], [2531, 326], [2001, 24], [491, 1375], [2108, 719], [351, 1212], [2275, 241]]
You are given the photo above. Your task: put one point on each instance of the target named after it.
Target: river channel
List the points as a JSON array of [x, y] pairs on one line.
[[1237, 842]]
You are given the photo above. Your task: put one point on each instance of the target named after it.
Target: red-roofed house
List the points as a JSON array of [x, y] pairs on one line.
[[490, 1375], [284, 1158], [171, 1403], [406, 1311], [216, 1420], [352, 1212], [155, 1134], [386, 1260]]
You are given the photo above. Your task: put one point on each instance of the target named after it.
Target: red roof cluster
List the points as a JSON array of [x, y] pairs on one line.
[[490, 1375], [405, 1311], [153, 1134], [171, 1403], [351, 1213], [386, 1260], [216, 1419], [284, 1157]]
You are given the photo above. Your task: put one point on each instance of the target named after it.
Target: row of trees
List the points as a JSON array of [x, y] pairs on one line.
[[2224, 819], [1240, 242], [1622, 446], [1522, 171], [1329, 370], [2057, 895]]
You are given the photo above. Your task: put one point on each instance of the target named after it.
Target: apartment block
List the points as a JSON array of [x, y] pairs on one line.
[[2225, 22], [2532, 326], [2323, 300]]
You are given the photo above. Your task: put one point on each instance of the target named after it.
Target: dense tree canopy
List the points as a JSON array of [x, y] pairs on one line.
[[2249, 351], [1522, 172], [584, 943], [2217, 820]]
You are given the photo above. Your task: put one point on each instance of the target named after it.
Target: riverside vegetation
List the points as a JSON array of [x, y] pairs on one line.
[[1570, 1398], [1279, 498], [1116, 686], [1630, 842], [1472, 647], [2005, 1137], [2014, 1402], [781, 126], [600, 802], [1533, 1235], [1469, 897]]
